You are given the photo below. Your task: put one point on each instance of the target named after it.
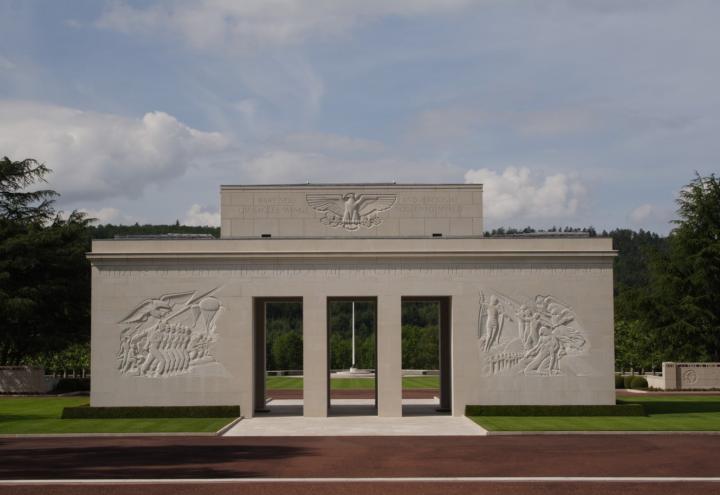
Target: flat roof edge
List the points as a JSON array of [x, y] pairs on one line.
[[345, 255], [351, 184]]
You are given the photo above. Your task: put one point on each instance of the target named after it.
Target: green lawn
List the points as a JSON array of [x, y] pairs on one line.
[[42, 415], [296, 383], [665, 413]]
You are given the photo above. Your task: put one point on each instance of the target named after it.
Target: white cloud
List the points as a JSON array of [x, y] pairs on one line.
[[108, 215], [98, 155], [249, 24], [652, 216], [518, 194], [201, 216], [642, 213]]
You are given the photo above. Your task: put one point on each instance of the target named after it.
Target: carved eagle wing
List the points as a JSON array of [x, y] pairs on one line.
[[140, 313], [326, 202], [375, 203], [142, 310]]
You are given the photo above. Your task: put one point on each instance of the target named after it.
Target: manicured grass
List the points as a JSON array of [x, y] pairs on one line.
[[430, 381], [296, 383], [352, 383], [42, 415], [665, 413], [284, 383]]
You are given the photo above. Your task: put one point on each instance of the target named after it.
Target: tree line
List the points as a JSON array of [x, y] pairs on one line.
[[666, 288], [420, 333]]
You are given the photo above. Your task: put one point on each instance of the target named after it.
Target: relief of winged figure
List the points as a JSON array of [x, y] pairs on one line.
[[351, 211], [547, 331], [491, 320]]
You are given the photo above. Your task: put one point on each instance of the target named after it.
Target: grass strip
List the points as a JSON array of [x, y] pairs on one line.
[[664, 413], [86, 412], [616, 410], [41, 415]]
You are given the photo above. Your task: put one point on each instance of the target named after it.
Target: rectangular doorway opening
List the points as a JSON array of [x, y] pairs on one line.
[[278, 353], [426, 356], [352, 356]]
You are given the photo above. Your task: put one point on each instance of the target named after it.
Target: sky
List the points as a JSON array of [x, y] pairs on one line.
[[581, 113]]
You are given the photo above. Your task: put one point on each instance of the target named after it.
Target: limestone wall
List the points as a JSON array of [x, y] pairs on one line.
[[359, 210], [526, 329], [22, 380], [688, 376]]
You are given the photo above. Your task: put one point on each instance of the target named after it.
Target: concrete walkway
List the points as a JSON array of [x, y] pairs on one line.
[[354, 417]]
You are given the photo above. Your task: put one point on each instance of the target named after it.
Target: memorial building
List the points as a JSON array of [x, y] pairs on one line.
[[523, 319]]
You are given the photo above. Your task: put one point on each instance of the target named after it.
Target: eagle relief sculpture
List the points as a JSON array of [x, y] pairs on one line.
[[351, 211], [168, 335], [527, 338]]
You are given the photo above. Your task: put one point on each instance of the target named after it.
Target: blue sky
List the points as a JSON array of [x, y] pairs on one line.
[[570, 112]]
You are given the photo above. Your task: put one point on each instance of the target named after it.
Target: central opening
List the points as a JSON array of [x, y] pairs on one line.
[[278, 356], [352, 356]]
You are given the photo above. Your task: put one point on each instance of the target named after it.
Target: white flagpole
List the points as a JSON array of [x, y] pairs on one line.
[[352, 366]]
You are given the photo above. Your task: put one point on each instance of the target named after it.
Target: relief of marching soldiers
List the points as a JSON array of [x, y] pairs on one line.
[[167, 337]]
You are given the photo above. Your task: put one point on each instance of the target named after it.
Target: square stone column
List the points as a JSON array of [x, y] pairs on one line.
[[241, 309], [315, 356], [670, 375], [389, 356], [465, 361]]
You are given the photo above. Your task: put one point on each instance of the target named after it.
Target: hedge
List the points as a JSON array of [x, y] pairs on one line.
[[639, 382], [627, 380], [616, 410], [72, 385], [619, 381], [86, 412]]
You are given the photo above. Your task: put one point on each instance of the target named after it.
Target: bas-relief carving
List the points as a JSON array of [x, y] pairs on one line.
[[527, 338], [169, 335], [351, 211], [690, 377]]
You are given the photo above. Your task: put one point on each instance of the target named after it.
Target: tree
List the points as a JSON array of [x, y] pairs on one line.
[[684, 305], [44, 276], [18, 205], [287, 352]]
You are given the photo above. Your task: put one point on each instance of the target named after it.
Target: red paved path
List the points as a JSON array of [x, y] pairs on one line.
[[220, 457], [364, 457]]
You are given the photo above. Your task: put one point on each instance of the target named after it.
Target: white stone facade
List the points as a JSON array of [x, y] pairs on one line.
[[345, 210], [531, 319]]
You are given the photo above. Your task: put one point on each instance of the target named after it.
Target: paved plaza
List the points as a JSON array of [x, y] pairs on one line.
[[353, 417]]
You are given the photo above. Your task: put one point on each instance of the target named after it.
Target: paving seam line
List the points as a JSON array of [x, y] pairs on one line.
[[461, 479]]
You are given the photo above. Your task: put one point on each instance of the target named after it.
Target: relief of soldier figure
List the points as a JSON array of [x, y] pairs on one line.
[[544, 331], [168, 335]]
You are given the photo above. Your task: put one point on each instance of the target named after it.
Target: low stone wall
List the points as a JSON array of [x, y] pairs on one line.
[[687, 376], [22, 380], [655, 381]]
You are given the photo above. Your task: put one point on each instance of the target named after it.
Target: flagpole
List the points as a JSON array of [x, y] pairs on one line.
[[352, 366]]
